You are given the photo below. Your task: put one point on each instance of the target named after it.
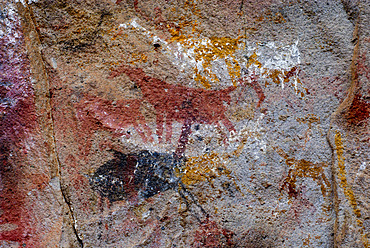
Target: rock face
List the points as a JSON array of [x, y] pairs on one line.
[[184, 123]]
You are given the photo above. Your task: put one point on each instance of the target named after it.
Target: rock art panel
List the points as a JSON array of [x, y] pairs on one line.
[[184, 124]]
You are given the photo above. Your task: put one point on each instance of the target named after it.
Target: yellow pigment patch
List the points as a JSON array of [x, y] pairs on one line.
[[138, 58], [206, 167], [208, 50], [279, 76], [309, 119], [306, 241], [303, 168], [252, 60], [180, 32], [205, 50], [203, 168], [342, 175], [344, 184], [285, 76], [275, 75]]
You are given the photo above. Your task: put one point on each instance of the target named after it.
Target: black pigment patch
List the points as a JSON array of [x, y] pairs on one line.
[[142, 174], [115, 179], [155, 172]]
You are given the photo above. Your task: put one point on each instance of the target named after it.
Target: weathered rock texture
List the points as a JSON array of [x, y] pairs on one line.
[[187, 123]]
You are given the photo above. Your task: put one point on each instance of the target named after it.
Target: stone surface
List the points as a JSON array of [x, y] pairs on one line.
[[188, 123]]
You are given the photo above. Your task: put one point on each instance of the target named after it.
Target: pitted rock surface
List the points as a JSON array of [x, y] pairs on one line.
[[164, 123]]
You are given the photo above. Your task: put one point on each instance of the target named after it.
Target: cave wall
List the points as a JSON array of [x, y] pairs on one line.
[[185, 123]]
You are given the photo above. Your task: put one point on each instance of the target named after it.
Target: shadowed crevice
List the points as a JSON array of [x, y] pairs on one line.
[[43, 102]]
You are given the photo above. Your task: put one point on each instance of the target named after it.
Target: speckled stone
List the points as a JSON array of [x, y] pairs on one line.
[[187, 123]]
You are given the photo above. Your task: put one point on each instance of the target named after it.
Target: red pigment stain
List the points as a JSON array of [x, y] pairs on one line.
[[257, 88], [184, 138], [362, 68], [358, 113], [302, 168], [294, 71], [179, 103], [117, 117], [80, 125], [18, 119], [137, 9], [128, 174], [78, 182], [209, 234]]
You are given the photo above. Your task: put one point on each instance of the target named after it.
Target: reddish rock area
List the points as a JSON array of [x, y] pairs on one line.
[[18, 122]]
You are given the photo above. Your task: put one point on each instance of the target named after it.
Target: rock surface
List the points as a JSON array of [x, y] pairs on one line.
[[187, 123]]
